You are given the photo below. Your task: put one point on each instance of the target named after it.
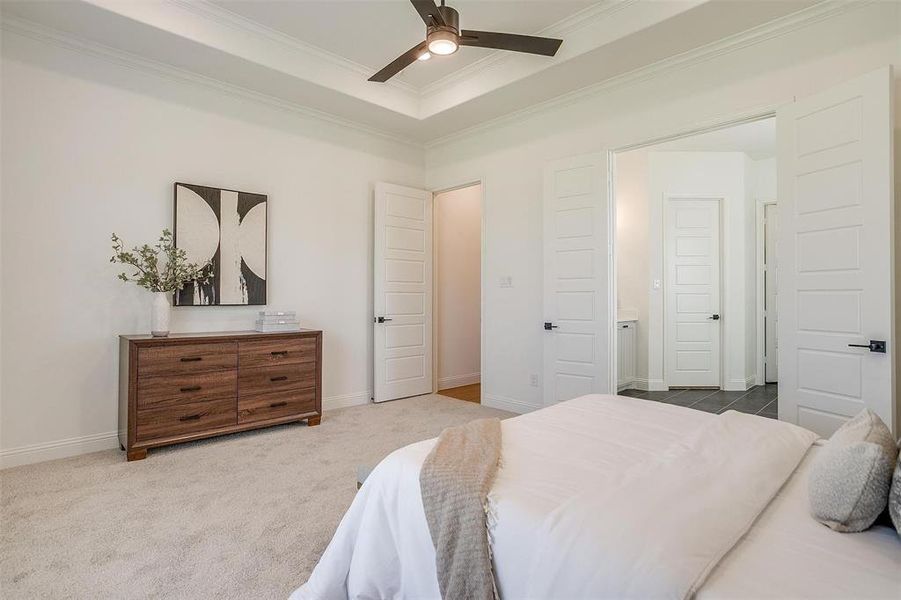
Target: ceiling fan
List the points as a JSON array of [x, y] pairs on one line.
[[444, 36]]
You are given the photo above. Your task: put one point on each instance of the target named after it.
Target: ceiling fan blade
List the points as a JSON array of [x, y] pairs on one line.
[[428, 11], [510, 41], [400, 63]]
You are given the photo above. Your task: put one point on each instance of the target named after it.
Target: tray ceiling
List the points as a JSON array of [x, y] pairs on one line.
[[376, 32], [317, 55]]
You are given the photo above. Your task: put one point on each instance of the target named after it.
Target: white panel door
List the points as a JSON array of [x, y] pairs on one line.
[[402, 292], [577, 324], [770, 292], [692, 301], [835, 254]]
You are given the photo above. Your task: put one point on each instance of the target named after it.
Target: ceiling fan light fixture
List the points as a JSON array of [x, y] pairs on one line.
[[444, 37], [442, 42]]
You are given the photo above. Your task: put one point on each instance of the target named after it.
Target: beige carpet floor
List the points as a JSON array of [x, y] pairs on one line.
[[243, 516]]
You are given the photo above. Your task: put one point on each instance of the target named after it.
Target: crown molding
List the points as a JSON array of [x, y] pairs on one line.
[[571, 24], [121, 58], [232, 20], [756, 35]]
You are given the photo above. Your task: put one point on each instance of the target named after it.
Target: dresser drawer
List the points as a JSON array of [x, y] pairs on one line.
[[264, 353], [278, 378], [273, 406], [183, 359], [182, 389], [181, 419]]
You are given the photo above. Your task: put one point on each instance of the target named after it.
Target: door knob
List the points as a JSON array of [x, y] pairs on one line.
[[714, 317], [382, 319], [873, 346], [548, 326]]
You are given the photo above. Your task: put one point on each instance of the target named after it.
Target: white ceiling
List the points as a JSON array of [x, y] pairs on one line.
[[375, 32], [316, 56], [756, 139]]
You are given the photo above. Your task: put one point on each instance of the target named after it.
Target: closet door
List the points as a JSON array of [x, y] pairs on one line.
[[402, 292], [577, 324], [835, 277]]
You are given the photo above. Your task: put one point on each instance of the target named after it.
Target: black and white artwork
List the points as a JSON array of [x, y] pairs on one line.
[[228, 228]]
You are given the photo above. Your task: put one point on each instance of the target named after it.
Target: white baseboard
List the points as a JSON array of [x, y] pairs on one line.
[[644, 384], [508, 404], [740, 385], [458, 380], [356, 399], [657, 385], [35, 453]]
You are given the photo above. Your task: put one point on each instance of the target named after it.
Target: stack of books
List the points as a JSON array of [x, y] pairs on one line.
[[277, 320]]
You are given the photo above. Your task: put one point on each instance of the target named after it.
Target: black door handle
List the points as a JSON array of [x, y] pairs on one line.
[[548, 326], [873, 346], [714, 317], [382, 319]]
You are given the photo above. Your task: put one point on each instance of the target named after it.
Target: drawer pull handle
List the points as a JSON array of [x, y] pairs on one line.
[[193, 388], [277, 404], [191, 358], [189, 418], [279, 378], [279, 353]]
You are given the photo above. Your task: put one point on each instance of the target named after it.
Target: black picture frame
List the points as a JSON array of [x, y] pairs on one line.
[[256, 287]]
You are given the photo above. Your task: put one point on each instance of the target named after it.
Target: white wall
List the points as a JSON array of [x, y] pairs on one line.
[[750, 350], [764, 190], [94, 145], [765, 176], [509, 156], [720, 175], [640, 191], [458, 250], [632, 248], [90, 147]]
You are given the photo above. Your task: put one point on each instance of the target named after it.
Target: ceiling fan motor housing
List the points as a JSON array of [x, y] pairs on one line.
[[451, 19]]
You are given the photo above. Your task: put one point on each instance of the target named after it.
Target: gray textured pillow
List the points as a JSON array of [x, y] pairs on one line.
[[851, 476], [894, 497]]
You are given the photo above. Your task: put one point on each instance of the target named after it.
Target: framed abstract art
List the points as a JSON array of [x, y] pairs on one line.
[[228, 228]]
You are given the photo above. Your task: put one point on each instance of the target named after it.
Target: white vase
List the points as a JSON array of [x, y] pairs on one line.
[[159, 314]]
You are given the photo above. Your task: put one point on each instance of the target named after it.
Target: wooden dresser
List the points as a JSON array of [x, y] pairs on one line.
[[195, 385]]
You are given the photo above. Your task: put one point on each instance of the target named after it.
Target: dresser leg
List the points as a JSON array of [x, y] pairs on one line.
[[137, 454], [313, 421]]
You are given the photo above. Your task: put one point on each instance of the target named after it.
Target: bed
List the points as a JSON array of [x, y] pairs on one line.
[[383, 549]]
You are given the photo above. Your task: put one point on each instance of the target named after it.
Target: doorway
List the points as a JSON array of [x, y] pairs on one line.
[[427, 292], [835, 246], [687, 273], [770, 294], [458, 292]]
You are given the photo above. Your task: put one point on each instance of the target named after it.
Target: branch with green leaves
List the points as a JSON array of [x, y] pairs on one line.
[[161, 267]]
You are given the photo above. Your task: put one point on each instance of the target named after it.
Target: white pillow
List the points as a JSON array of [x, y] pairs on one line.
[[894, 497], [850, 478]]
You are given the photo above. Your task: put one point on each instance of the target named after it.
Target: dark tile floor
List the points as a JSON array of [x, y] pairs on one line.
[[759, 400]]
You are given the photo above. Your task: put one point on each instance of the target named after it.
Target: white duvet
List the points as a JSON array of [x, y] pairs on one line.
[[569, 517]]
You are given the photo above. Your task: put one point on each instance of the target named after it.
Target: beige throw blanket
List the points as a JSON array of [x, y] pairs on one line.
[[454, 480]]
